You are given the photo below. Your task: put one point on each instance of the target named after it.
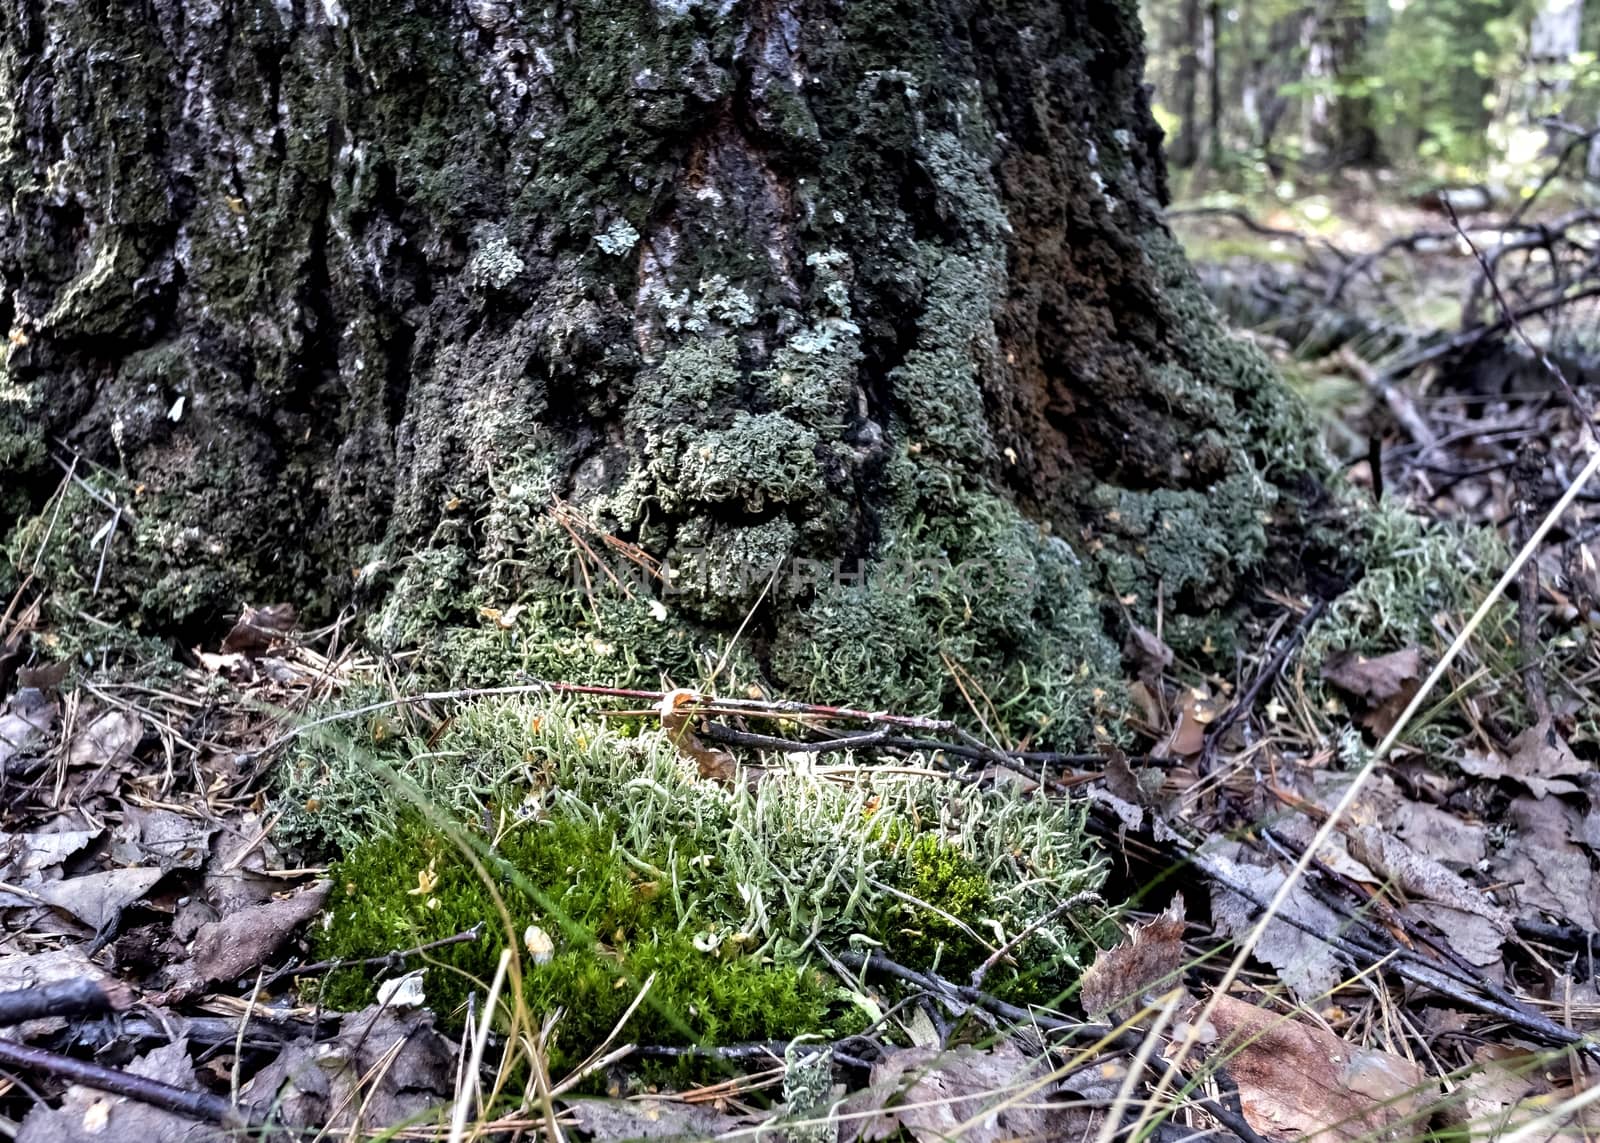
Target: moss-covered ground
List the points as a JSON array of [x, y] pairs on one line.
[[523, 812]]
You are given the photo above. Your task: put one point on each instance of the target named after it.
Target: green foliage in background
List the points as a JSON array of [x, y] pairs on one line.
[[1431, 89]]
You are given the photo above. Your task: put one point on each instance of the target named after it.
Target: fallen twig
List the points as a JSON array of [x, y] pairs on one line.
[[180, 1101], [1395, 961], [727, 734], [1269, 671], [1033, 927], [1394, 399], [395, 959], [540, 687], [77, 997]]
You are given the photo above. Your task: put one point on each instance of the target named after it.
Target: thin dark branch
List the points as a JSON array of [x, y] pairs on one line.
[[731, 737], [1413, 968], [1004, 950], [1354, 268], [1580, 407], [1072, 1030], [1537, 236], [1579, 137], [390, 960], [1269, 671], [77, 997], [1245, 220], [1468, 338], [180, 1101]]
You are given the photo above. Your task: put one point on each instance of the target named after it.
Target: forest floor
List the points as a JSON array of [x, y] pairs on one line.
[[1405, 844]]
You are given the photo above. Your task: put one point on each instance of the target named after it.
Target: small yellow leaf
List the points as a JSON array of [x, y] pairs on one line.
[[427, 880]]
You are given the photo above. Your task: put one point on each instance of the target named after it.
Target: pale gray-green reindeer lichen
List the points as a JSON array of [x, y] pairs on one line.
[[1413, 570], [810, 852]]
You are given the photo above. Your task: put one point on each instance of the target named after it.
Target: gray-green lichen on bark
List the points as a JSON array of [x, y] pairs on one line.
[[865, 291]]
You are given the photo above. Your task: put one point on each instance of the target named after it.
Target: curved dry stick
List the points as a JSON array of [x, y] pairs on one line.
[[180, 1101]]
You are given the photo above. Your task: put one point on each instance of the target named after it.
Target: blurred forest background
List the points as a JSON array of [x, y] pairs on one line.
[[1399, 200], [1263, 96]]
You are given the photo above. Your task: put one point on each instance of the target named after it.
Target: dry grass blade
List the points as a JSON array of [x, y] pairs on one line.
[[1110, 1126], [469, 1080], [1335, 816], [1542, 1128]]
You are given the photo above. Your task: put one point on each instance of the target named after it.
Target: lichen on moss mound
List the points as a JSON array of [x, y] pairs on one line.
[[605, 836]]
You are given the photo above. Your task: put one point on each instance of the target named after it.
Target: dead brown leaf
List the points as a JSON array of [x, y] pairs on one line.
[[1540, 760], [929, 1093], [241, 942], [1151, 708], [717, 765], [28, 855], [654, 1119], [1150, 959], [1384, 685], [259, 628], [46, 677], [1301, 1082], [1197, 710], [1305, 963], [1149, 655], [1474, 925], [1440, 834], [94, 899], [108, 741], [27, 718], [1548, 871], [1511, 1087], [1375, 680], [1418, 875], [172, 840], [387, 1066]]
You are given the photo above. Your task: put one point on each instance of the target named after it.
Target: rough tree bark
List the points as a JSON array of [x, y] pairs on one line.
[[335, 297]]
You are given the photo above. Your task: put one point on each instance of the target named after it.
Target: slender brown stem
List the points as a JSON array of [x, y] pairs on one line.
[[1529, 467], [395, 959], [190, 1104], [1269, 671]]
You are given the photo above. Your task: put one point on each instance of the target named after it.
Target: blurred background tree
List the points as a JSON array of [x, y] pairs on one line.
[[1252, 92]]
